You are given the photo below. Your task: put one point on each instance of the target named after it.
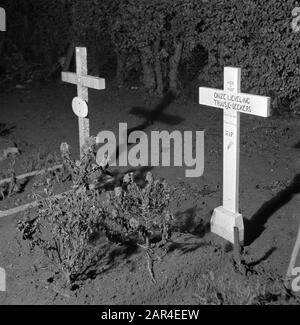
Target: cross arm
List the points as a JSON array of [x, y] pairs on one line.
[[86, 81], [93, 82], [69, 77]]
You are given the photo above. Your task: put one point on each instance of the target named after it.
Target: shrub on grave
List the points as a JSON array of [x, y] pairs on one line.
[[67, 229], [255, 35], [141, 213]]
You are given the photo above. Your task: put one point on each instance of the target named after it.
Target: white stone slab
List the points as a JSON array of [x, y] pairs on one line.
[[223, 223]]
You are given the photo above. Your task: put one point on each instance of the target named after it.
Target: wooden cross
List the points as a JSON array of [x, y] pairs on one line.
[[83, 82], [226, 217]]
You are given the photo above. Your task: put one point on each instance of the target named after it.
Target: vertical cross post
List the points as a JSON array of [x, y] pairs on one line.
[[80, 103], [231, 144], [227, 217], [82, 92]]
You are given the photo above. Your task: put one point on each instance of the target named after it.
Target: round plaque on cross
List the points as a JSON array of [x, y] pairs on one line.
[[80, 107]]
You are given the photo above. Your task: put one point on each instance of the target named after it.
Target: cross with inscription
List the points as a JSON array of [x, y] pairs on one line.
[[226, 217], [83, 82]]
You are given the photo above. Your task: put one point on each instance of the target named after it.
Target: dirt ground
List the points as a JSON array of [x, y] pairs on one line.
[[39, 118]]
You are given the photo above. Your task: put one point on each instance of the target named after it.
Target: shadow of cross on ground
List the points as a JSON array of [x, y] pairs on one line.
[[152, 116], [5, 130], [256, 225], [296, 145], [156, 114]]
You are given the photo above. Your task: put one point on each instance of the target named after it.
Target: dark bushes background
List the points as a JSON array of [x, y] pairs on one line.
[[39, 29], [255, 35]]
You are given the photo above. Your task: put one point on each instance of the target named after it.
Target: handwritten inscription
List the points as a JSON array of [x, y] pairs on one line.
[[229, 134], [232, 101], [230, 85]]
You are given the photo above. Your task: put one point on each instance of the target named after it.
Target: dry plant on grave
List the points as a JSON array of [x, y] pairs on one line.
[[47, 177], [84, 172], [141, 215], [64, 228]]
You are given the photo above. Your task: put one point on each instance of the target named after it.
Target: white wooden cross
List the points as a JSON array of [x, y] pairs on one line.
[[83, 82], [2, 20], [226, 217]]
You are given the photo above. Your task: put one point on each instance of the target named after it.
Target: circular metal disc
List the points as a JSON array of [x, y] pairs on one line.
[[80, 107]]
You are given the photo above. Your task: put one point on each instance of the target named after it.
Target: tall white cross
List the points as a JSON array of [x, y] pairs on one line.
[[226, 217], [83, 82]]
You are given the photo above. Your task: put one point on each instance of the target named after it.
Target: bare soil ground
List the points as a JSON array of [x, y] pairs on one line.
[[38, 118]]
